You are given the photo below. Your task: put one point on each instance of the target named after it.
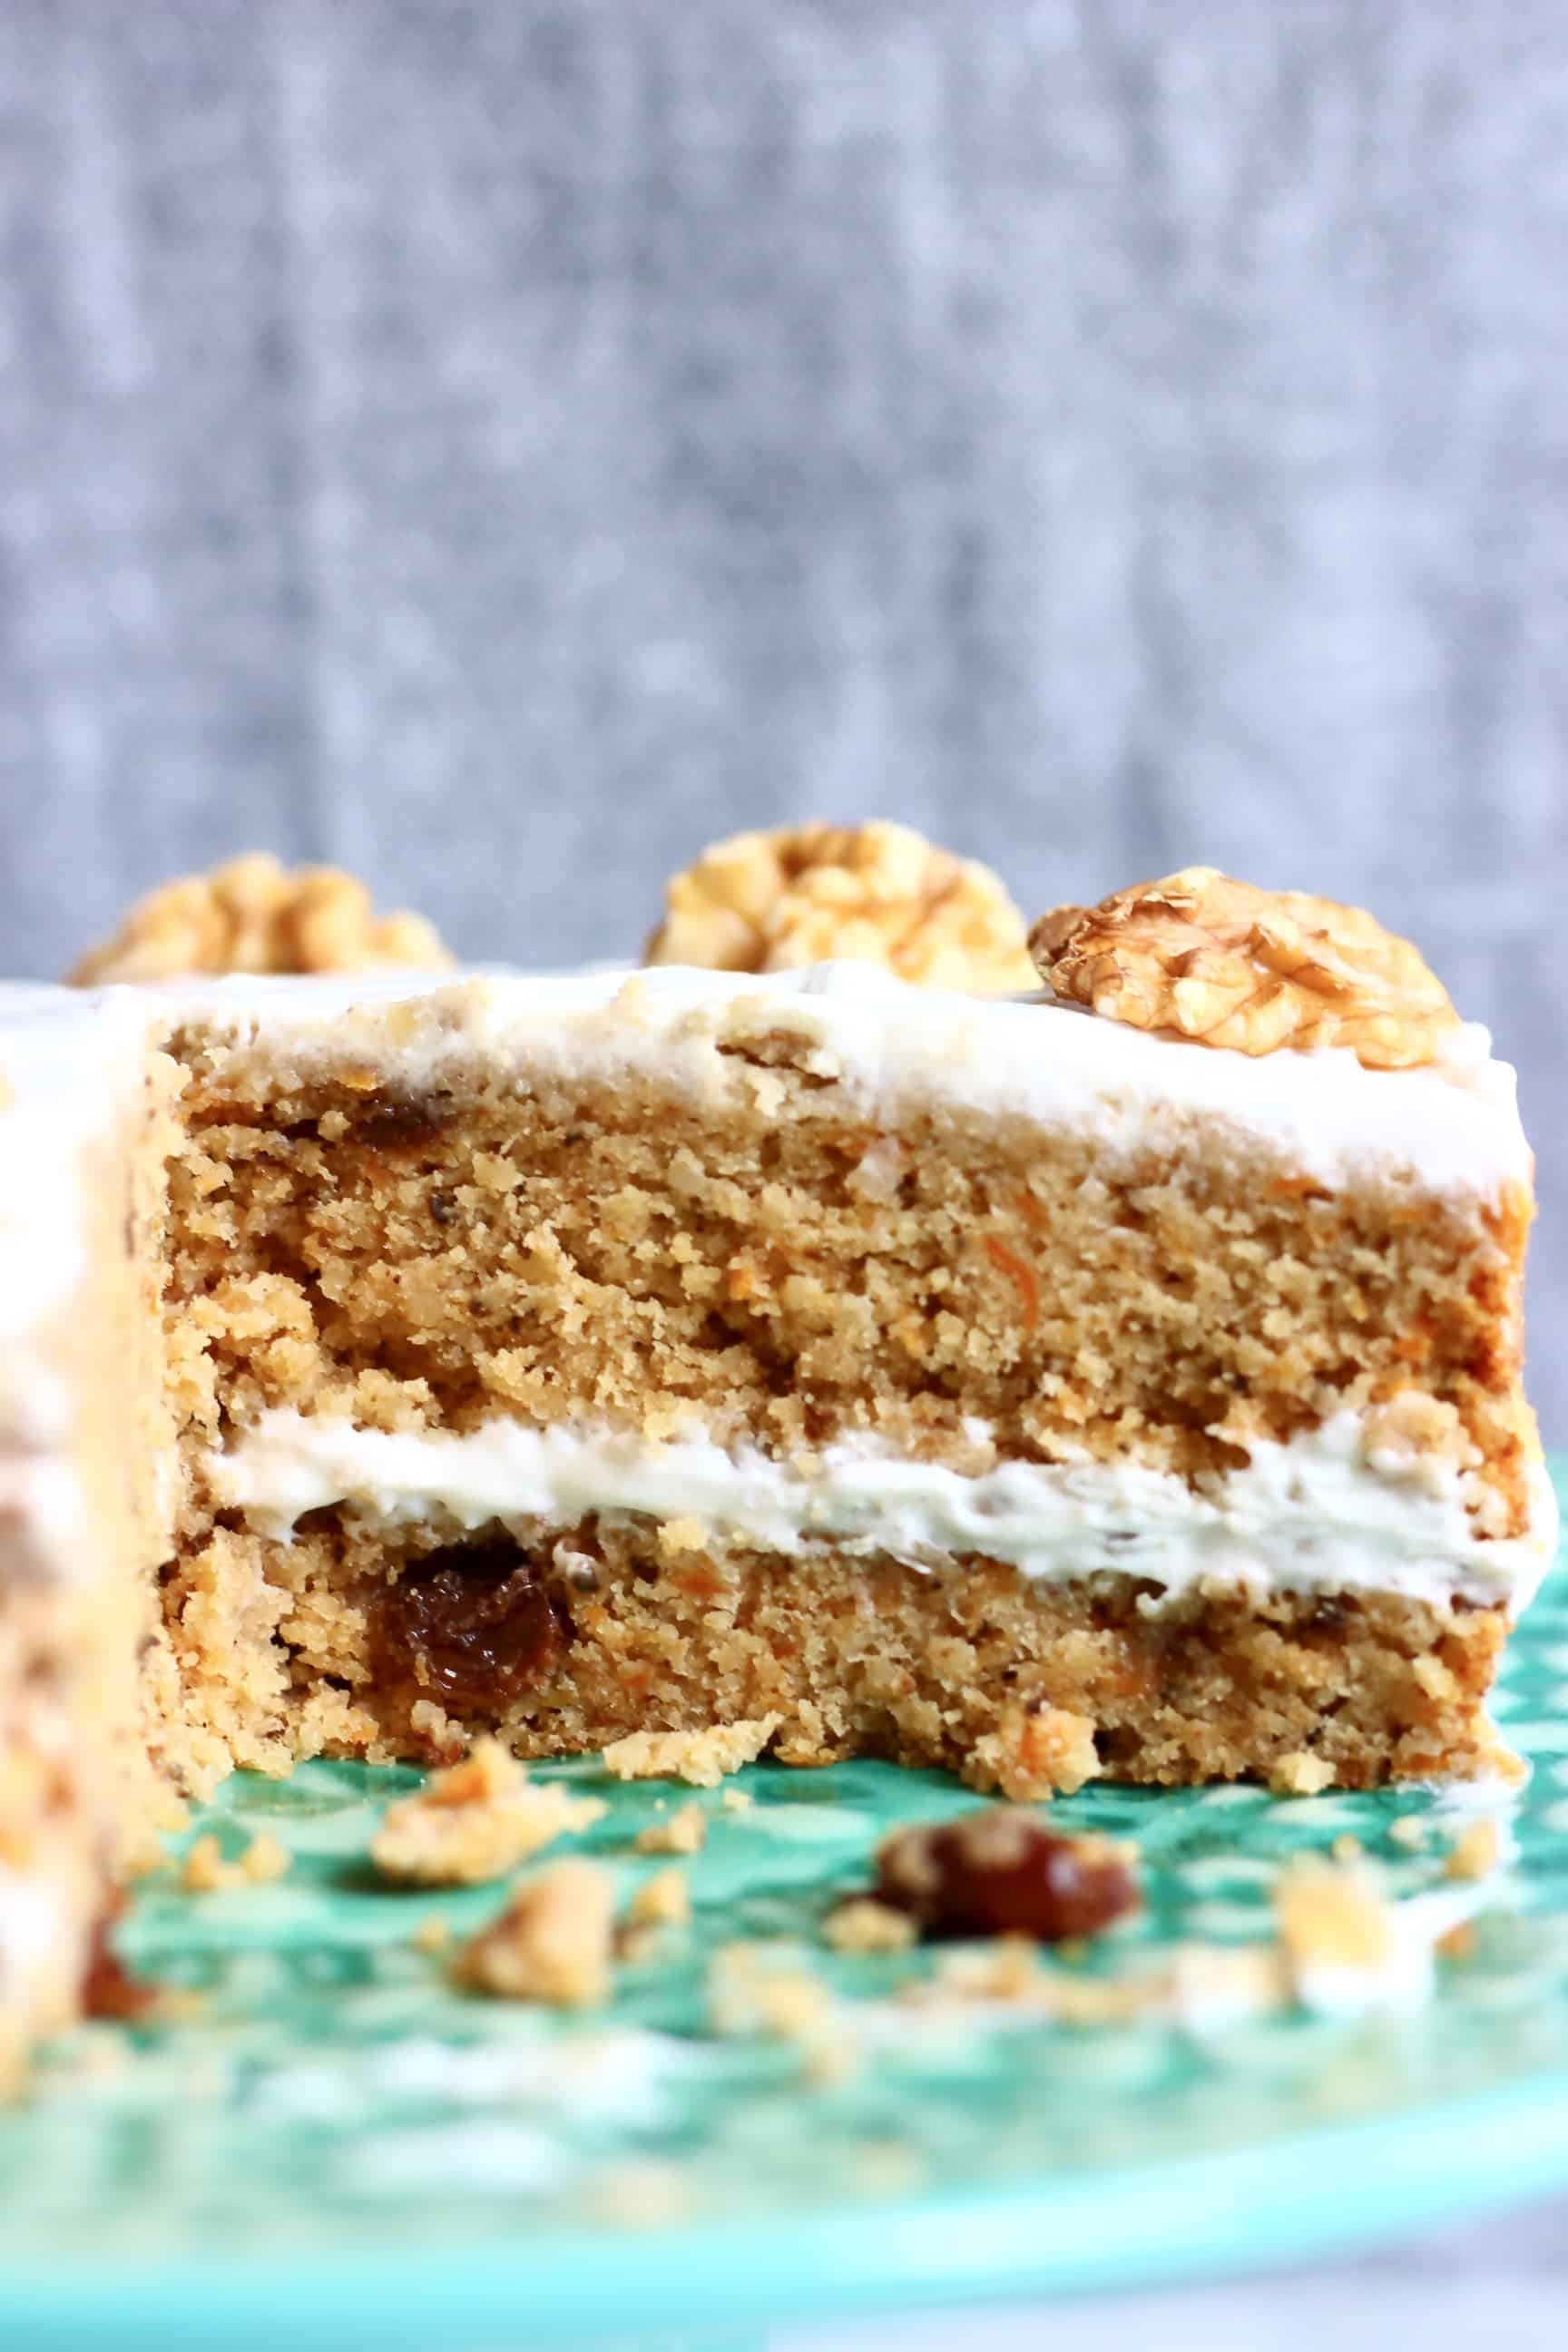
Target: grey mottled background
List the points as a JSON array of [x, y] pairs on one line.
[[499, 444]]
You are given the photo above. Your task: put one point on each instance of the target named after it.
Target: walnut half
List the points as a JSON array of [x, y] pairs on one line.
[[1229, 964], [875, 893], [253, 914]]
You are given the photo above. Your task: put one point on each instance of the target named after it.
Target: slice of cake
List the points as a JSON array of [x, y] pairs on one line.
[[1030, 1389]]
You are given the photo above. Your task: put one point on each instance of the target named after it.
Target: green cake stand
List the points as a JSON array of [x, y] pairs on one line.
[[325, 2143]]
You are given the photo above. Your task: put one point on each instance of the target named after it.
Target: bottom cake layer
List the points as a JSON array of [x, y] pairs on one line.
[[349, 1643]]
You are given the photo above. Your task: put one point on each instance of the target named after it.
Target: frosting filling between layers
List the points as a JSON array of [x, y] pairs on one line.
[[1328, 1511]]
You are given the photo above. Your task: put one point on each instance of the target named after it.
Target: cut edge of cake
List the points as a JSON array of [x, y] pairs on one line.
[[806, 1318]]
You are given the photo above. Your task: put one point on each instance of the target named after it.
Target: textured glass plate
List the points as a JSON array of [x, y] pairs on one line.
[[334, 2148]]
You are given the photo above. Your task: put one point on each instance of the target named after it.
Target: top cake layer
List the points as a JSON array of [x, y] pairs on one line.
[[1451, 1127]]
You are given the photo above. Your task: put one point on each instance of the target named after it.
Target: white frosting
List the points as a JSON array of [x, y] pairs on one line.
[[69, 1065], [1450, 1128], [1325, 1512], [35, 1926]]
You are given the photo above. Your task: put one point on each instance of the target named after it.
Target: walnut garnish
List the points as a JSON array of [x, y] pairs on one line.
[[877, 893], [1229, 964], [253, 914]]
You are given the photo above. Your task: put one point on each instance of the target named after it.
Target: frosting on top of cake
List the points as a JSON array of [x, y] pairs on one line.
[[1450, 1127]]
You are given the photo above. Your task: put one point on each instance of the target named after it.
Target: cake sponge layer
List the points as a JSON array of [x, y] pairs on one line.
[[349, 1643]]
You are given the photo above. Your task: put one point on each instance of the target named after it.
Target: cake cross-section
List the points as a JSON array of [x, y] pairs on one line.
[[987, 1384]]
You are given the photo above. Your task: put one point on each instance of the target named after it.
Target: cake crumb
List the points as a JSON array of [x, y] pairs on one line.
[[1045, 1753], [1346, 1848], [1005, 1969], [1300, 1775], [476, 1820], [685, 1832], [444, 1741], [1409, 1831], [752, 1990], [432, 1934], [737, 1800], [702, 1757], [1332, 1915], [264, 1862], [551, 1943], [206, 1871], [662, 1901], [864, 1925], [1478, 1853]]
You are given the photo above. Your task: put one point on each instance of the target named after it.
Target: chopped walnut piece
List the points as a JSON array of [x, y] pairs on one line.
[[478, 1819], [1300, 1775], [702, 1757], [685, 1832], [875, 893], [553, 1942], [1229, 964], [1001, 1872], [253, 914]]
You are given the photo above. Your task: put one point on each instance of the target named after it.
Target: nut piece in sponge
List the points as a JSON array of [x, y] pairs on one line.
[[877, 893], [253, 914], [1228, 964]]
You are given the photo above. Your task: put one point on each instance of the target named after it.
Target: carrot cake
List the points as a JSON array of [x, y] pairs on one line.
[[1119, 1376]]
